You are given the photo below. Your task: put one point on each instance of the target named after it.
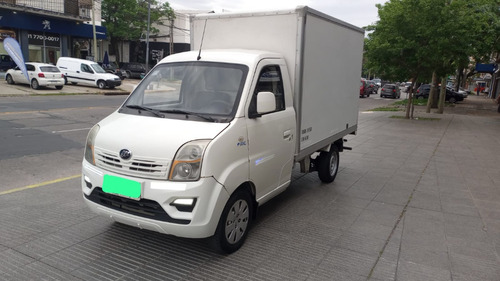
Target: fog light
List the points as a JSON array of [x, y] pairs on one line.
[[184, 204], [87, 181]]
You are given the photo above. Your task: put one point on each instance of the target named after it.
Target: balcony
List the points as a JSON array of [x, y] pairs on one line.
[[79, 10]]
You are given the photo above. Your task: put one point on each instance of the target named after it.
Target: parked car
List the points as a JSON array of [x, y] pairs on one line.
[[451, 96], [113, 68], [363, 89], [133, 69], [85, 72], [372, 87], [423, 91], [461, 92], [390, 90], [377, 81], [40, 75], [6, 62]]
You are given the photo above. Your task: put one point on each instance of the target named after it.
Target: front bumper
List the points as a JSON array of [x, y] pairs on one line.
[[113, 83], [155, 210]]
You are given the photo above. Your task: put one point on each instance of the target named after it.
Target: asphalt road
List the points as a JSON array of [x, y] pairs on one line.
[[43, 136]]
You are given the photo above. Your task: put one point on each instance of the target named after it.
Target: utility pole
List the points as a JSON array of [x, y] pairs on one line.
[[171, 37], [94, 51], [147, 37]]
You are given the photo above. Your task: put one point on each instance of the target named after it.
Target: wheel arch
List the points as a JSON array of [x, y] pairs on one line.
[[250, 188]]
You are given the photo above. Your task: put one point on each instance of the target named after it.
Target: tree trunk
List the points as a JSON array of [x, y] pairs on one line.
[[442, 96], [409, 106], [432, 94], [460, 74]]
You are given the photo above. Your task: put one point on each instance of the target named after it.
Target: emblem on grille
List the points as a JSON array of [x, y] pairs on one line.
[[125, 154]]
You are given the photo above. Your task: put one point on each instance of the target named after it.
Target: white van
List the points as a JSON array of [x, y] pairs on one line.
[[85, 72]]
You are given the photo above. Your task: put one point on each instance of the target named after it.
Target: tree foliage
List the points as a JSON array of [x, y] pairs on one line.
[[127, 19], [415, 38]]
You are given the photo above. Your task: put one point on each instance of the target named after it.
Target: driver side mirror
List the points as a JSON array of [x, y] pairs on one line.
[[266, 102]]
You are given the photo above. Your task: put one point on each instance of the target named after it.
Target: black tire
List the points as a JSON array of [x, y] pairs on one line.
[[9, 79], [34, 84], [452, 100], [101, 84], [59, 87], [234, 222], [328, 165]]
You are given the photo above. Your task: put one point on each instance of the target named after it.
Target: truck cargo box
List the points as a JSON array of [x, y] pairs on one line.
[[324, 57]]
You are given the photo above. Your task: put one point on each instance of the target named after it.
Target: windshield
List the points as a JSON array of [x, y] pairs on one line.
[[97, 68], [190, 90]]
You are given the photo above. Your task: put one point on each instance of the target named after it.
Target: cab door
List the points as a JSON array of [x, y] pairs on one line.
[[271, 136], [86, 75]]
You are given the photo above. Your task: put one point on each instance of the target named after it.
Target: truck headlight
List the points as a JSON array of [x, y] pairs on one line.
[[89, 145], [187, 162]]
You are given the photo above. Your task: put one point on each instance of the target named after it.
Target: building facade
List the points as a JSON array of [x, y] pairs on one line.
[[173, 37], [49, 29]]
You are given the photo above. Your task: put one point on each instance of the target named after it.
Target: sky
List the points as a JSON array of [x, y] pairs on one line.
[[356, 12]]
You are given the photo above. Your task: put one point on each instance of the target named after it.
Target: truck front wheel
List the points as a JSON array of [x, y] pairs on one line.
[[234, 222], [328, 165]]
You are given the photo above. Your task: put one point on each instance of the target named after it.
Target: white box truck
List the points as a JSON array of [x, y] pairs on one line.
[[211, 134]]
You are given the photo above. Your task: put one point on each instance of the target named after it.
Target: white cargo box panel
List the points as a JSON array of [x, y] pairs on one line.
[[323, 54]]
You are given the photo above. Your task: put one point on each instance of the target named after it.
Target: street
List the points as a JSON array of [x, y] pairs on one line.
[[413, 200]]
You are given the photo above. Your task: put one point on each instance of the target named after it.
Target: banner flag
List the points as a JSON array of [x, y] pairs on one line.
[[14, 50]]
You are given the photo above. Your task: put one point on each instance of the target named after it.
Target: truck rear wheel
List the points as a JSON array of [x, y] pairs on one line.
[[328, 165], [234, 222]]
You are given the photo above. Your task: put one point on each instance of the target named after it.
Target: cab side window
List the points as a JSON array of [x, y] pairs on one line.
[[269, 81], [85, 68]]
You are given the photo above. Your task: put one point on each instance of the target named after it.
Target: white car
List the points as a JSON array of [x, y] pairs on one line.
[[40, 75]]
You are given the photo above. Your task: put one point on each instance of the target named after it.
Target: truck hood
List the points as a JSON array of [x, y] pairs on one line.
[[152, 142]]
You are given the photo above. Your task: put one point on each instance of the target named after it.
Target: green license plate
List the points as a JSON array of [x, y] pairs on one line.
[[121, 186]]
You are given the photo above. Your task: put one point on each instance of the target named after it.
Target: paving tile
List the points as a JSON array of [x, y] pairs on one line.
[[479, 268], [410, 271]]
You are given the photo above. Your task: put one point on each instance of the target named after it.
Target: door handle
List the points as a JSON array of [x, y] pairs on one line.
[[287, 135]]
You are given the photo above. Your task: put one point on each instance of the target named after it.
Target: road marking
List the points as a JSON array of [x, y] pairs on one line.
[[72, 130], [39, 184]]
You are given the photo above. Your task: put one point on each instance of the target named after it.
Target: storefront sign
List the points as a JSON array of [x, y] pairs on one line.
[[37, 38]]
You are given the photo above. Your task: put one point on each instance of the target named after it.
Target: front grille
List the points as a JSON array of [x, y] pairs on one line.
[[143, 208], [137, 166]]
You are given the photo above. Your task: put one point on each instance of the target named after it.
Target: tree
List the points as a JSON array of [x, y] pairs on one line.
[[416, 38], [127, 19]]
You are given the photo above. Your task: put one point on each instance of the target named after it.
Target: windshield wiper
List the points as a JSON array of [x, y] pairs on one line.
[[140, 107], [208, 118]]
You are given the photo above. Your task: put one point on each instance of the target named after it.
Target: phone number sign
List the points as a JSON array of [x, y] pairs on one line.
[[38, 38]]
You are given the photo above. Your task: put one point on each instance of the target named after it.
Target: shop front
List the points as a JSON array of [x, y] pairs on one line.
[[45, 39]]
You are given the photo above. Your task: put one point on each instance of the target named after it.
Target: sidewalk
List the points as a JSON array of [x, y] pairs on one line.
[[25, 90]]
